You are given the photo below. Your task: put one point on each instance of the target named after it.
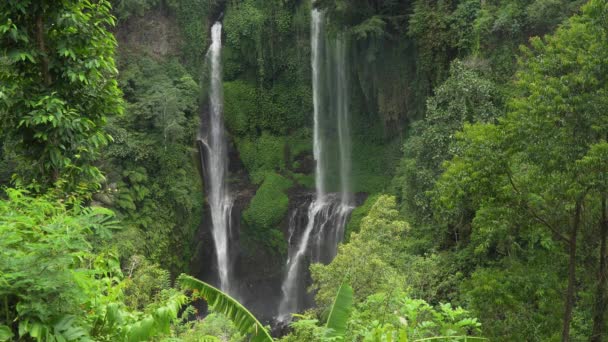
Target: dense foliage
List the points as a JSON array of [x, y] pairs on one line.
[[57, 89], [151, 174], [58, 287], [479, 143]]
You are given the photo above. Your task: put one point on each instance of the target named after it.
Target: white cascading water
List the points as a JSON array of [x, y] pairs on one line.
[[343, 123], [218, 195], [328, 212]]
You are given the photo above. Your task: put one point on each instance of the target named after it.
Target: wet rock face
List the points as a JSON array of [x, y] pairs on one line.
[[305, 164], [156, 32]]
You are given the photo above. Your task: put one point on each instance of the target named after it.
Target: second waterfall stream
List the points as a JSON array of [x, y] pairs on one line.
[[328, 212]]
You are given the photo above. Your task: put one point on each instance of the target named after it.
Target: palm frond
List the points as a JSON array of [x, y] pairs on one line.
[[244, 320]]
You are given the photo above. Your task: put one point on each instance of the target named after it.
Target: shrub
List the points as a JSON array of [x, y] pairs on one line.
[[262, 156]]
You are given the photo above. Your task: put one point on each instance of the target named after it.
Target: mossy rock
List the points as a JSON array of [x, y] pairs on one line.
[[270, 203], [307, 181], [263, 155], [240, 106]]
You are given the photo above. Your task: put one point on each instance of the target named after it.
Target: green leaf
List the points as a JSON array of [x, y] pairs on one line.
[[340, 312], [5, 333], [210, 339], [244, 320]]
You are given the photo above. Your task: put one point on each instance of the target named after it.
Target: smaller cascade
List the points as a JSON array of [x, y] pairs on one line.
[[291, 285], [216, 163]]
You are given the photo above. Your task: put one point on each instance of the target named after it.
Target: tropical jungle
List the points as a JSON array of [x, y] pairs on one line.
[[304, 170]]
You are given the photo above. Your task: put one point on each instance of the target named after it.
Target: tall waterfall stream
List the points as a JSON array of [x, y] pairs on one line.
[[218, 194], [328, 212]]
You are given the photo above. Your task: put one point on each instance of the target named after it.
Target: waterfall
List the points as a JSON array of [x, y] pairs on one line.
[[316, 39], [327, 212], [342, 113], [218, 195]]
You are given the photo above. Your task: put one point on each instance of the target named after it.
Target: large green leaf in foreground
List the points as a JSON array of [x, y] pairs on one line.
[[244, 320], [340, 312]]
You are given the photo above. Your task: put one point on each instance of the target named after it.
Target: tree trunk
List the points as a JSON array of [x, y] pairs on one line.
[[42, 47], [601, 299], [571, 272]]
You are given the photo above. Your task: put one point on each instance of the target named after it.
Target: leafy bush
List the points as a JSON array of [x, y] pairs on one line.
[[358, 214], [262, 156], [387, 316], [57, 287], [214, 324], [144, 283], [464, 97], [392, 316], [240, 107], [58, 89], [152, 180], [369, 260]]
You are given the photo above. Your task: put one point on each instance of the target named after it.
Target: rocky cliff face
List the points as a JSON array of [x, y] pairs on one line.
[[156, 33]]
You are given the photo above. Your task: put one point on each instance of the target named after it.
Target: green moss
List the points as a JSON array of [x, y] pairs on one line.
[[281, 110], [240, 100], [263, 155], [307, 181], [299, 142], [269, 204], [266, 210], [288, 107], [374, 164], [192, 20], [358, 214]]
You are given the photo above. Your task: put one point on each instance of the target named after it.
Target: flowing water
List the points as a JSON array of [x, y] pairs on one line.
[[216, 166], [328, 212]]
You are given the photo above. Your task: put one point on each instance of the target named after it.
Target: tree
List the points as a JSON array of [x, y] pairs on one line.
[[465, 97], [369, 261], [385, 316], [57, 88], [525, 176], [151, 182]]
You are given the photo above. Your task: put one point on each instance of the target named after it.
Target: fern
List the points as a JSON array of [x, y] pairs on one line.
[[244, 320], [159, 322], [66, 329]]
